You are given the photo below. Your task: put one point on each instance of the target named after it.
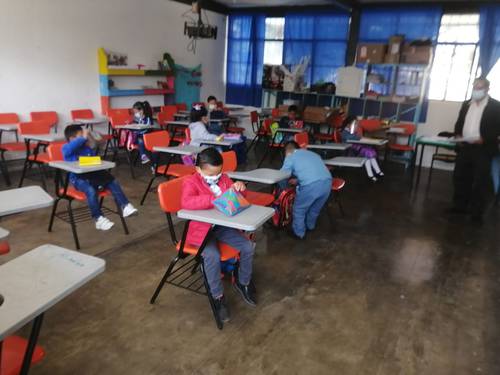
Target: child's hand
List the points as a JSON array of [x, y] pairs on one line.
[[239, 186], [219, 138], [85, 133]]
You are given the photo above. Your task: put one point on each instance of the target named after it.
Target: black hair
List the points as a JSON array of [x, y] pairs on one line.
[[209, 156], [144, 107], [293, 108], [211, 97], [197, 114], [71, 130], [291, 145]]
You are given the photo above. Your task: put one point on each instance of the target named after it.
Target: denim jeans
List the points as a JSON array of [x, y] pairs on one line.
[[93, 195], [211, 257], [140, 144], [495, 173], [309, 201]]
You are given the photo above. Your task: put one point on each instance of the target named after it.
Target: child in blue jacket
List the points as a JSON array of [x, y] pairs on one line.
[[90, 183], [143, 115]]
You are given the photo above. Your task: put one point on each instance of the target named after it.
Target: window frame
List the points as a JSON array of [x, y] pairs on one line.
[[266, 39]]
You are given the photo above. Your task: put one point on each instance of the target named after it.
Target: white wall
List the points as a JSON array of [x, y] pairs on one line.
[[441, 116], [48, 59]]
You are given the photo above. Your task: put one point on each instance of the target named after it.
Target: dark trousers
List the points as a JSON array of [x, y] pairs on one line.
[[471, 178]]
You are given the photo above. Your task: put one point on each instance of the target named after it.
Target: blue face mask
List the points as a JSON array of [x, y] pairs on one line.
[[478, 94]]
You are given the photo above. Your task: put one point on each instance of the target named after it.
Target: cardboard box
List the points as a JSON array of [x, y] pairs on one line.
[[393, 55], [317, 115], [371, 53], [416, 54], [283, 108]]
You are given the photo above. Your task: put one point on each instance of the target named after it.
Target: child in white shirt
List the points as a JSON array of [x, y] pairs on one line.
[[198, 126]]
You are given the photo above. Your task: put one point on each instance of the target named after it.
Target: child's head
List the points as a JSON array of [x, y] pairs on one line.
[[142, 109], [212, 103], [199, 113], [292, 112], [209, 163], [73, 131], [290, 147]]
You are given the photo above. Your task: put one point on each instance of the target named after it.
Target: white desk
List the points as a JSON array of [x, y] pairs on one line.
[[180, 150], [181, 116], [368, 141], [23, 199], [346, 161], [75, 167], [136, 127], [8, 127], [234, 107], [224, 142], [248, 220], [4, 233], [91, 121], [178, 123], [330, 146], [290, 130], [219, 120], [47, 138], [34, 282], [261, 175]]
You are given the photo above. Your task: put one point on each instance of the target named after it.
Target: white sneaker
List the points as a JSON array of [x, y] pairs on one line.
[[129, 210], [103, 223]]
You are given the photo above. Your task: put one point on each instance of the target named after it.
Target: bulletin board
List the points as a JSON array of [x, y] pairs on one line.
[[187, 84]]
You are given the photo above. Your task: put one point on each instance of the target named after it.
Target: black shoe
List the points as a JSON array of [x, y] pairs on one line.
[[247, 292], [221, 309]]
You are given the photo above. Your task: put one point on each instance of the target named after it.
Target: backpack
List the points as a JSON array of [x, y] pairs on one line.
[[283, 207]]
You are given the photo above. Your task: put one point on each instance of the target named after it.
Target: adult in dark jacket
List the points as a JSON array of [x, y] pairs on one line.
[[479, 124]]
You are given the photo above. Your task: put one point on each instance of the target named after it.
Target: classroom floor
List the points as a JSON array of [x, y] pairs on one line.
[[393, 288]]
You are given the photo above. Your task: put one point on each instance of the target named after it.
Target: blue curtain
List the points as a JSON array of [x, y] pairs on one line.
[[245, 54], [380, 23], [489, 37], [322, 37]]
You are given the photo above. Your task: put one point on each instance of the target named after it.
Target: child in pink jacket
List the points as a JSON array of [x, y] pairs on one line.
[[198, 193]]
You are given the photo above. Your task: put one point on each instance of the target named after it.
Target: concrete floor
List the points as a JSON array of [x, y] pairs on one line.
[[393, 288]]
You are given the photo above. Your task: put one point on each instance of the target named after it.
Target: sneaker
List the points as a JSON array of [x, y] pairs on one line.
[[129, 210], [103, 223], [221, 309], [145, 159], [247, 292]]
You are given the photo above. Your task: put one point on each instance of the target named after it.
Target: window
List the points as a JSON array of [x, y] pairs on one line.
[[456, 58], [273, 43], [494, 78]]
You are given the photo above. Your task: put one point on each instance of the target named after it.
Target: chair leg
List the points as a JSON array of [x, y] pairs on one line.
[[41, 170], [339, 203], [27, 164], [4, 169], [252, 143], [105, 153], [130, 164], [430, 173], [147, 190], [120, 213], [53, 214], [164, 279], [73, 226], [218, 322]]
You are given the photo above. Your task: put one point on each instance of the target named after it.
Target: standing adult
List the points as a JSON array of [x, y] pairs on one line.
[[479, 124]]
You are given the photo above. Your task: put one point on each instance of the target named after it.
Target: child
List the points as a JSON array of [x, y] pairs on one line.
[[314, 186], [214, 113], [367, 152], [143, 114], [289, 121], [90, 183], [198, 193], [198, 126]]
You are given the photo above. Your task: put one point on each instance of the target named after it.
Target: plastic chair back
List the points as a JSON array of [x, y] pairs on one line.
[[156, 139], [55, 151], [34, 127], [9, 118], [77, 114], [120, 119], [169, 195], [275, 112], [118, 111], [302, 139], [181, 106], [229, 161], [220, 105], [369, 125], [266, 126], [166, 116], [49, 116]]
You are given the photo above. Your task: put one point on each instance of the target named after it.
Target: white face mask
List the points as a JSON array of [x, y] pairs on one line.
[[478, 94], [138, 115], [212, 179], [212, 107]]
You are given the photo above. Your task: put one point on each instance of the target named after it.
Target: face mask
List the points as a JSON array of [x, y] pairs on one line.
[[211, 180], [211, 107], [478, 94]]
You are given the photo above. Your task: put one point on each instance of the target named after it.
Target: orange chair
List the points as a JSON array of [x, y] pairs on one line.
[[393, 147], [118, 118], [68, 193], [169, 109], [38, 157], [275, 113], [181, 106], [334, 124], [166, 116], [229, 161], [119, 111], [4, 249], [77, 114], [162, 139], [370, 125], [12, 355], [257, 129], [187, 275], [9, 118], [49, 116], [337, 186], [272, 146], [231, 129], [302, 139]]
